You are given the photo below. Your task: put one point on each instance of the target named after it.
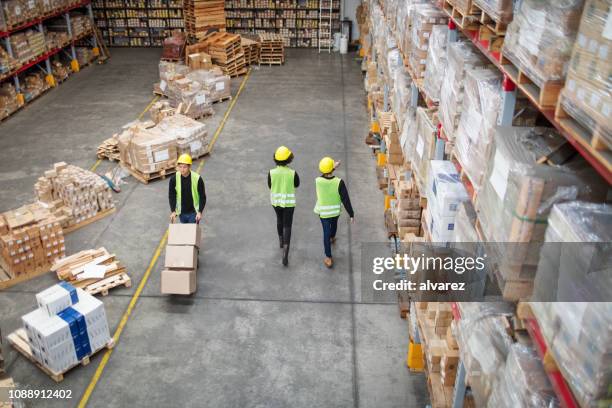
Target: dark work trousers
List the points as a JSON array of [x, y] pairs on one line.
[[189, 218], [284, 219], [330, 225]]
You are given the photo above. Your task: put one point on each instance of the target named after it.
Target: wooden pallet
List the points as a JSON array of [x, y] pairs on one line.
[[544, 96], [146, 178], [98, 216], [104, 285], [591, 140], [19, 340], [465, 19], [489, 21]]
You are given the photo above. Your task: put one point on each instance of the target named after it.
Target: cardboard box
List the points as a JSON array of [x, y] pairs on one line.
[[178, 282], [184, 234], [181, 257]]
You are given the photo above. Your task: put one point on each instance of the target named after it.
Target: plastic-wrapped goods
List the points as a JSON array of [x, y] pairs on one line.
[[424, 18], [425, 145], [169, 71], [573, 272], [474, 136], [517, 196], [587, 96], [540, 38], [523, 383], [436, 62], [579, 336], [445, 193], [213, 81], [484, 344], [408, 135], [16, 12], [465, 222], [8, 99], [190, 135], [499, 10], [174, 46], [461, 57], [152, 150], [401, 94]]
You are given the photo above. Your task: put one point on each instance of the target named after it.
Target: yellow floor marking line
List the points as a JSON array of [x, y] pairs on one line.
[[155, 99], [124, 319], [96, 164]]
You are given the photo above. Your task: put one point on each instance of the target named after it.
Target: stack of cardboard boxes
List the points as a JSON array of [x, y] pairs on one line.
[[424, 18], [181, 264], [68, 326], [199, 60], [80, 191], [407, 208], [29, 241]]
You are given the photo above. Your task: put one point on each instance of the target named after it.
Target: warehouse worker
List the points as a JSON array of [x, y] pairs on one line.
[[282, 182], [331, 191], [186, 193]]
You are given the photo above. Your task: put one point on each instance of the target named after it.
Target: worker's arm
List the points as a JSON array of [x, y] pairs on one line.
[[172, 194], [202, 193], [296, 180], [346, 200], [269, 181]]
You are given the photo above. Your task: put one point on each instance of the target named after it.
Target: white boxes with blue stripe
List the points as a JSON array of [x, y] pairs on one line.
[[68, 326]]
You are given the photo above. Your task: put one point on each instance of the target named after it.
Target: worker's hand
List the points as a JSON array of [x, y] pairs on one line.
[[198, 217], [172, 217], [352, 220]]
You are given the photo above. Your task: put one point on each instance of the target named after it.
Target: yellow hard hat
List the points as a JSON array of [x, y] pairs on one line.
[[282, 153], [184, 159], [326, 165]]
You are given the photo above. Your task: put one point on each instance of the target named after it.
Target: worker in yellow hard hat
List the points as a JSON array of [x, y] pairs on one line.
[[186, 193], [282, 182], [331, 192]]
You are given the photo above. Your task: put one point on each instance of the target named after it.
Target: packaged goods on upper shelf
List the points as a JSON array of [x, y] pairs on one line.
[[540, 38], [436, 62], [424, 18], [461, 57], [425, 145], [587, 96], [499, 10], [484, 344], [474, 136], [574, 261], [523, 382], [401, 94], [17, 12], [579, 337], [517, 196]]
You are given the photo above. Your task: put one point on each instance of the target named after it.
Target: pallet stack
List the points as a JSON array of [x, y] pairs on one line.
[[226, 51], [251, 50], [109, 149], [201, 15], [272, 49], [93, 270]]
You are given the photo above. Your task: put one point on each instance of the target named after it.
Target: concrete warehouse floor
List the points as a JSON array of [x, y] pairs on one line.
[[255, 334]]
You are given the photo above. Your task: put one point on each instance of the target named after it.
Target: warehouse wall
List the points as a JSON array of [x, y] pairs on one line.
[[349, 11]]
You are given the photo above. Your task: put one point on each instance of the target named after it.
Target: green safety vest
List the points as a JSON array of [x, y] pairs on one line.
[[328, 197], [195, 177], [282, 190]]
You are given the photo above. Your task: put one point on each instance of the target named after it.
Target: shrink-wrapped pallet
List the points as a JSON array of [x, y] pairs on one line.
[[424, 18], [425, 145], [498, 10], [436, 62], [461, 57], [540, 38], [587, 96], [523, 382], [474, 136]]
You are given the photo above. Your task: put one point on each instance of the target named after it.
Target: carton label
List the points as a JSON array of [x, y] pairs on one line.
[[195, 146], [163, 85], [200, 99], [162, 155], [499, 175], [419, 147], [473, 125], [17, 10], [219, 86]]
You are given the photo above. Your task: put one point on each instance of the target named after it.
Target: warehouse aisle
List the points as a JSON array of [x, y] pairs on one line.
[[255, 333]]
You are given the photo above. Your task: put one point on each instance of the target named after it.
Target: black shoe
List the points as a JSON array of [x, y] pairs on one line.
[[280, 241], [285, 255]]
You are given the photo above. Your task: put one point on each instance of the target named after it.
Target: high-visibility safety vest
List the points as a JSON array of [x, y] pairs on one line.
[[282, 190], [328, 197], [195, 177]]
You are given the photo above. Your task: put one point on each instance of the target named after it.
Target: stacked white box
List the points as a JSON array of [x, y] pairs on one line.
[[50, 337], [444, 194]]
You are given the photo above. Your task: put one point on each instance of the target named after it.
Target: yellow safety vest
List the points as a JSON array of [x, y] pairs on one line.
[[328, 197], [195, 177], [282, 187]]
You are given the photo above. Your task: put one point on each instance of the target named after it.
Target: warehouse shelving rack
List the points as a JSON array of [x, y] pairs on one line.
[[138, 23], [296, 20], [45, 58]]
